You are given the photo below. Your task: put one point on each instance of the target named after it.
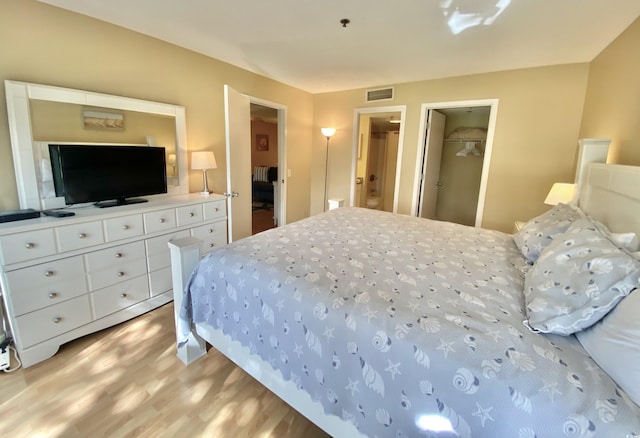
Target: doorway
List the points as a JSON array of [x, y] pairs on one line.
[[453, 164], [264, 167], [377, 154], [239, 144]]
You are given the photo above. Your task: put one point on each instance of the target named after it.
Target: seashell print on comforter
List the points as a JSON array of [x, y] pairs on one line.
[[405, 327]]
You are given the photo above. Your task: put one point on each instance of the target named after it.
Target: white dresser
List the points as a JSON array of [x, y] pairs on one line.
[[63, 278]]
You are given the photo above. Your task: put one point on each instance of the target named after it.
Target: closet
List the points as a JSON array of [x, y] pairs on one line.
[[461, 137]]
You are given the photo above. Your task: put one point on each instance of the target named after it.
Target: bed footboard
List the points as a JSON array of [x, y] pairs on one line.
[[185, 255]]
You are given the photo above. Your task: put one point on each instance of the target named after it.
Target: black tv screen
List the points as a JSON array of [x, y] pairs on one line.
[[116, 174]]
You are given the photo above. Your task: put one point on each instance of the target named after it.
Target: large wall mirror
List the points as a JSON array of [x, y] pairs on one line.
[[40, 114]]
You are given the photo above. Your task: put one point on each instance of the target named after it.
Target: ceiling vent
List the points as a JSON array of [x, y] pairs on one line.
[[379, 94]]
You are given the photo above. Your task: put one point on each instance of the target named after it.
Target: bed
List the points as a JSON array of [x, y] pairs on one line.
[[373, 324]]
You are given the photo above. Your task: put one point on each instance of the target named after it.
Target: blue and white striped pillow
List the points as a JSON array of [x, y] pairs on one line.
[[261, 173]]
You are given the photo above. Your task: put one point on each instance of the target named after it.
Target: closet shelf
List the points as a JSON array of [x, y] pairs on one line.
[[464, 140]]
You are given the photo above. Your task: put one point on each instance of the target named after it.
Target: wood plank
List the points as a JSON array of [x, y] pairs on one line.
[[126, 381]]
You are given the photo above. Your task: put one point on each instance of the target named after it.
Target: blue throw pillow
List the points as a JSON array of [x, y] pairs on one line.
[[538, 233], [577, 280]]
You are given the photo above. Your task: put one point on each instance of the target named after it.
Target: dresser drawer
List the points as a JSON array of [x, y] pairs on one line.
[[40, 296], [40, 276], [213, 235], [215, 210], [78, 236], [52, 321], [189, 214], [160, 281], [111, 256], [27, 246], [158, 255], [122, 227], [160, 220], [119, 296], [116, 273]]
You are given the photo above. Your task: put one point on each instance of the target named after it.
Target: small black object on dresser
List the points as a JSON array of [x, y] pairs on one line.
[[18, 215], [58, 213]]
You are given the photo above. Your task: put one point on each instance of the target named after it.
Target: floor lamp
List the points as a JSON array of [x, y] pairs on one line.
[[328, 133]]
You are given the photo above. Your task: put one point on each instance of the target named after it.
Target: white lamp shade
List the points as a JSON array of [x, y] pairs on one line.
[[328, 132], [171, 159], [560, 193], [203, 160]]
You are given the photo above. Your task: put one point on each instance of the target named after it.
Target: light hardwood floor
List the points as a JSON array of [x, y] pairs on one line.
[[126, 381]]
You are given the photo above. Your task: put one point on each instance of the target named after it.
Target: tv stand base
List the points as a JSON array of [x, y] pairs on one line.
[[117, 202]]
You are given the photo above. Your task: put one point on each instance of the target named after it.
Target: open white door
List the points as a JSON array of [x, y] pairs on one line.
[[431, 166], [237, 125]]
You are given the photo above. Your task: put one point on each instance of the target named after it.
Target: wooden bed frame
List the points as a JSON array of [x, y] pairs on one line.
[[610, 193]]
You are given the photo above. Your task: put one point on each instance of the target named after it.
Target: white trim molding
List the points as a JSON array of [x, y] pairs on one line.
[[493, 103]]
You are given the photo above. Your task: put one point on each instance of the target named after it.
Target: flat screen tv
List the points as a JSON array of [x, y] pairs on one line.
[[107, 175]]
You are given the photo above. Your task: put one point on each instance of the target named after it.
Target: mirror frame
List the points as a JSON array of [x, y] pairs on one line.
[[22, 144]]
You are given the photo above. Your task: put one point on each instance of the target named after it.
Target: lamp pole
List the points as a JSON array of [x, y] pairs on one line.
[[328, 133], [326, 173]]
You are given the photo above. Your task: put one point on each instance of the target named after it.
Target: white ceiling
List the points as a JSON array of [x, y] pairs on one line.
[[303, 44]]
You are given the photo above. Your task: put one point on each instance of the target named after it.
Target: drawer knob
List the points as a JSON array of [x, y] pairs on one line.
[[192, 214], [162, 220], [211, 230], [82, 235], [57, 319], [216, 209], [211, 245], [30, 245], [49, 273], [118, 255], [125, 227], [53, 295], [123, 295], [120, 274]]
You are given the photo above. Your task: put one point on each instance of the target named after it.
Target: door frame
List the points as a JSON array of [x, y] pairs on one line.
[[486, 163], [281, 214], [402, 109]]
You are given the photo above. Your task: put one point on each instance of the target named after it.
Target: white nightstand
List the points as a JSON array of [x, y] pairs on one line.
[[336, 203]]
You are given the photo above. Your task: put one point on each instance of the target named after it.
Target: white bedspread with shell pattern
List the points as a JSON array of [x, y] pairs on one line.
[[405, 327]]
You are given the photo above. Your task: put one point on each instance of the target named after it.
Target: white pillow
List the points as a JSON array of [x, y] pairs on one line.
[[614, 343], [627, 241]]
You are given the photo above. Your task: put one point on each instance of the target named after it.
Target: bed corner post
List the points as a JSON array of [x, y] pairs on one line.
[[185, 255]]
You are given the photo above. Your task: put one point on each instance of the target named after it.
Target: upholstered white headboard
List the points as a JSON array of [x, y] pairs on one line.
[[611, 194]]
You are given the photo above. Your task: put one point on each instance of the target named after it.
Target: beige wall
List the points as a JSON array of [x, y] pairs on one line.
[[535, 141], [538, 123], [460, 178], [47, 45], [612, 104]]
